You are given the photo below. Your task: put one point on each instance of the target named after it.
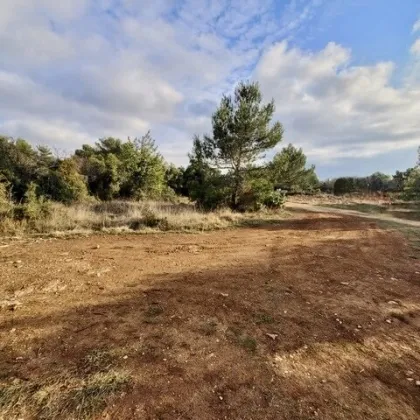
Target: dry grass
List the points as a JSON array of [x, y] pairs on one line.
[[316, 317], [65, 397], [125, 216]]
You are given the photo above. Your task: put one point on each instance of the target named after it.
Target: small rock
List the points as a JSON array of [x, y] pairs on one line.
[[410, 379], [344, 283], [125, 357], [392, 302], [359, 326], [96, 247], [220, 398], [417, 383], [272, 336], [409, 373], [389, 321], [224, 294], [13, 330], [10, 305], [324, 381]]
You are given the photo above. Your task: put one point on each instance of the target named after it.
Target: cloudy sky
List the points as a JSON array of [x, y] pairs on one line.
[[345, 74]]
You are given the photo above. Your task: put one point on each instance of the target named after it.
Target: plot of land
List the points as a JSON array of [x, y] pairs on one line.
[[316, 316]]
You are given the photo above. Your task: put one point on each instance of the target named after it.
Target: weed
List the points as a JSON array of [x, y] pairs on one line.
[[249, 343], [236, 335], [154, 310], [262, 318], [63, 398], [91, 397], [208, 328], [97, 361]]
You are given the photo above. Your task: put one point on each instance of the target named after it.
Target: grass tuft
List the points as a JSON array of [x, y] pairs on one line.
[[65, 398]]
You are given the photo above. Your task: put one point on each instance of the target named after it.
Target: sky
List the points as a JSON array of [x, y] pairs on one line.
[[344, 74]]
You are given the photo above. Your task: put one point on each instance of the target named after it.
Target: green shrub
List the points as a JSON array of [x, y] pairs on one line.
[[412, 185], [344, 186], [275, 200], [6, 204], [34, 207], [259, 194], [254, 194]]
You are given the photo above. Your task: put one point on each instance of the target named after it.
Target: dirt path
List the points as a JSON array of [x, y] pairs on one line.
[[376, 216], [315, 317]]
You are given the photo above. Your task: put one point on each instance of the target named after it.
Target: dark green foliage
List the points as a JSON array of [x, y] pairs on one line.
[[412, 185], [116, 169], [67, 184], [288, 171], [241, 134], [327, 186], [344, 185], [375, 183], [207, 186], [275, 200], [20, 164], [175, 180], [400, 179]]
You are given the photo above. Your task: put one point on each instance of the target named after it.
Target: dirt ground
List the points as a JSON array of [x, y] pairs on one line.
[[313, 317]]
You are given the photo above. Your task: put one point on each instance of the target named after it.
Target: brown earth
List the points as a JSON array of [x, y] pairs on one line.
[[312, 317]]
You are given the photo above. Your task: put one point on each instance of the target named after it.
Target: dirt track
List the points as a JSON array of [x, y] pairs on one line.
[[330, 210], [187, 317]]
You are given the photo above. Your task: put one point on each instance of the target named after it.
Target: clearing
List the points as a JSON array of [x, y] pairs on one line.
[[316, 316]]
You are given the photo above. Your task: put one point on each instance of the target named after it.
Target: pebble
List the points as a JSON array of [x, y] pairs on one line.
[[417, 383], [272, 336], [389, 321]]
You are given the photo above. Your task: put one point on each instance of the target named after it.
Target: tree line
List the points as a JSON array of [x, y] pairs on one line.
[[402, 183], [227, 168]]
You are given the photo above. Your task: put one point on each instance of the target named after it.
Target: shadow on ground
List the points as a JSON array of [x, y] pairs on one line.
[[326, 329]]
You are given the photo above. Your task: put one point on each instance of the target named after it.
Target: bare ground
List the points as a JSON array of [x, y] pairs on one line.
[[319, 208], [312, 317]]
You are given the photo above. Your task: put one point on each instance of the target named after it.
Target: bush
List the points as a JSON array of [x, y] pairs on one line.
[[34, 207], [6, 204], [412, 185], [275, 200], [344, 186], [150, 219], [258, 194]]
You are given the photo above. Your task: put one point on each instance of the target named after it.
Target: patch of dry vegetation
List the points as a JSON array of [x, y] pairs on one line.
[[128, 216], [65, 397]]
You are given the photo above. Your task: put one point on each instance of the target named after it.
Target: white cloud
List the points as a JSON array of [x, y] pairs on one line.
[[337, 110], [77, 70], [415, 48], [416, 26]]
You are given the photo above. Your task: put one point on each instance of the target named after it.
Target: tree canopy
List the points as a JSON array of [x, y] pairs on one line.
[[242, 132]]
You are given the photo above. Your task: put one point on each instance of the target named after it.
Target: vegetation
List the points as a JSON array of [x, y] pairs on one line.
[[241, 134], [405, 184], [226, 170], [289, 172]]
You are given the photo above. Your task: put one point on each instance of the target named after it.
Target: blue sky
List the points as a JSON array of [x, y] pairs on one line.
[[345, 74]]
